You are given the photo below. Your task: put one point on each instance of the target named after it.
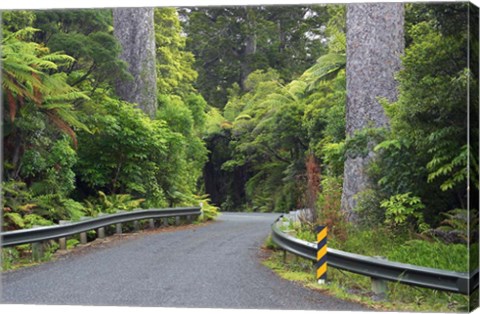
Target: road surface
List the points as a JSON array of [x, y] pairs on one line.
[[211, 266]]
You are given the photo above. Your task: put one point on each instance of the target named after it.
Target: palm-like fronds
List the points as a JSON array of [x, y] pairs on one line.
[[327, 66], [26, 73]]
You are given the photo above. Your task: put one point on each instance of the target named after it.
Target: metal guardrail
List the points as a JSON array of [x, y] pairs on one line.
[[17, 237], [458, 282]]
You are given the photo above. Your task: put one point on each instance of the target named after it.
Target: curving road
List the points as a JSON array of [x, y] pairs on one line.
[[213, 266]]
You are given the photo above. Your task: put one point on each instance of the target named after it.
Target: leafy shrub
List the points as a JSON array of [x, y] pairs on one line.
[[403, 209], [305, 233], [110, 204], [209, 211], [56, 207], [9, 256], [71, 243], [123, 154], [21, 209]]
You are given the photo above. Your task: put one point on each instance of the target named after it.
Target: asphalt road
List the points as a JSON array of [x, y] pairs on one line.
[[212, 266]]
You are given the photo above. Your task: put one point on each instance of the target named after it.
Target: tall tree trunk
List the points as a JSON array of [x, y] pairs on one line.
[[134, 28], [375, 42], [250, 48]]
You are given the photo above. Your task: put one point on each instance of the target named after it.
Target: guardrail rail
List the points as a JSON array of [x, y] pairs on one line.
[[458, 282], [39, 234]]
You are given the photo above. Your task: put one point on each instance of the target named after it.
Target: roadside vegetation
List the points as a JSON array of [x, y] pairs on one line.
[[357, 288]]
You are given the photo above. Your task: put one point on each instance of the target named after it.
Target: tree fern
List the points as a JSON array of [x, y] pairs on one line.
[[326, 68], [27, 76]]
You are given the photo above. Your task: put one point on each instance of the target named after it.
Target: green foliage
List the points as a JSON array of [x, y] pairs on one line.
[[363, 142], [401, 209], [457, 227], [8, 258], [50, 167], [279, 75], [370, 213], [395, 247], [71, 243], [133, 149], [198, 107], [175, 73], [20, 208], [432, 254], [229, 43], [28, 71], [187, 154], [328, 207], [267, 137], [13, 21], [56, 207], [326, 67], [96, 57], [87, 36], [40, 108], [355, 242], [439, 137], [274, 125], [24, 209], [269, 244], [109, 204], [210, 212], [336, 28]]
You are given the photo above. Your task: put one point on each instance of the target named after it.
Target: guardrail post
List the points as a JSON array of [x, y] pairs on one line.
[[321, 265], [165, 222], [62, 242], [37, 251], [101, 233], [83, 235], [201, 211], [37, 248], [136, 226], [151, 224], [119, 228], [379, 286], [101, 230], [83, 238], [177, 220]]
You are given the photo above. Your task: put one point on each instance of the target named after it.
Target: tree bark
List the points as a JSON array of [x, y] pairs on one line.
[[250, 48], [134, 29], [375, 42]]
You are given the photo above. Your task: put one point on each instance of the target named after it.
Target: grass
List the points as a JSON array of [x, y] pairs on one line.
[[357, 288]]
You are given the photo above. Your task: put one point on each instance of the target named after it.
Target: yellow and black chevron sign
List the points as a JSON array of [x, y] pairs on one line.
[[321, 253]]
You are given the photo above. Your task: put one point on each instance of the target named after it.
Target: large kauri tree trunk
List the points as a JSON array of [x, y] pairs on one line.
[[134, 29], [375, 42]]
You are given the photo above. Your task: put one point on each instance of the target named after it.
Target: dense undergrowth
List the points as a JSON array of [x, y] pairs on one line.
[[399, 248]]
